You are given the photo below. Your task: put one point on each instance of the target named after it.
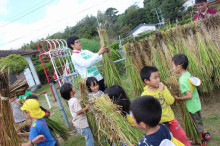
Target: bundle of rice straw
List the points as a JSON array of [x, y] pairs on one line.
[[8, 136], [84, 97], [112, 124], [58, 128], [134, 76], [111, 74]]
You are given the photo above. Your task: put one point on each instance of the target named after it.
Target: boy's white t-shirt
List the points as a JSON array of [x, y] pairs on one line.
[[79, 121]]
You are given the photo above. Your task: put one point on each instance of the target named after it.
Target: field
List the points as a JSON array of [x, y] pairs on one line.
[[210, 113]]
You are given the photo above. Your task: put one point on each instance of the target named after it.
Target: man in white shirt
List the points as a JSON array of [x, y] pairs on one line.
[[84, 60]]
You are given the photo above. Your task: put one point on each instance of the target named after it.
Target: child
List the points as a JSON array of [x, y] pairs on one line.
[[19, 117], [150, 76], [47, 112], [79, 118], [117, 94], [146, 111], [93, 87], [180, 63], [39, 125]]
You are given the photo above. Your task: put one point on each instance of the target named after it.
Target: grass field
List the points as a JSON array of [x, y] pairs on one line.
[[210, 113]]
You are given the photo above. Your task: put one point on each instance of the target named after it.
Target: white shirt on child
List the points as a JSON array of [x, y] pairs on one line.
[[79, 121]]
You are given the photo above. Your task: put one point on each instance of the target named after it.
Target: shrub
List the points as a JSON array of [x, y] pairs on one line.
[[15, 63]]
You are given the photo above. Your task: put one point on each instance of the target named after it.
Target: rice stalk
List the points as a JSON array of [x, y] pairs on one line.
[[146, 52], [84, 97], [115, 126], [134, 76], [58, 129], [111, 74], [8, 134], [138, 54]]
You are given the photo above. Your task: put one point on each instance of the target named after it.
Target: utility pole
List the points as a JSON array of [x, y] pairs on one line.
[[162, 17], [157, 15]]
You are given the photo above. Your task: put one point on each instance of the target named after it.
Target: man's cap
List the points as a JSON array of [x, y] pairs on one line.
[[33, 106]]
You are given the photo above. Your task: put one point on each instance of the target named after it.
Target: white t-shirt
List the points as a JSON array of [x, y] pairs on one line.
[[79, 121], [84, 62]]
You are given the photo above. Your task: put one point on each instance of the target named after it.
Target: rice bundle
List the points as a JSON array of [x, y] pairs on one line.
[[8, 134], [111, 74], [58, 128], [134, 76], [84, 96], [113, 125]]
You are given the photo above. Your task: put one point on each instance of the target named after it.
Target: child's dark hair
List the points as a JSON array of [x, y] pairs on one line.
[[71, 40], [65, 90], [146, 109], [89, 82], [119, 97], [200, 1], [181, 59], [31, 97], [146, 72]]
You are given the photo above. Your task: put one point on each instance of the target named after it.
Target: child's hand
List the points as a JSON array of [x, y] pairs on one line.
[[87, 107], [38, 139], [176, 97], [162, 87]]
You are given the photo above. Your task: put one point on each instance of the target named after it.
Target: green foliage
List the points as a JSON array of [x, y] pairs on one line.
[[91, 45], [40, 72], [15, 63], [172, 9]]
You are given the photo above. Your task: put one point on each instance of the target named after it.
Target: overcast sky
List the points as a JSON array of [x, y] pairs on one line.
[[24, 20]]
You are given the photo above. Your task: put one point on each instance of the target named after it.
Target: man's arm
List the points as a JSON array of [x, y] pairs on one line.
[[91, 61]]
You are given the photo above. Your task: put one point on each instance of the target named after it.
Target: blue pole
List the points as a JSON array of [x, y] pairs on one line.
[[60, 103]]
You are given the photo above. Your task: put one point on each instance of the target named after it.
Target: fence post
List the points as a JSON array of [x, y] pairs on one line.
[[48, 102], [60, 103]]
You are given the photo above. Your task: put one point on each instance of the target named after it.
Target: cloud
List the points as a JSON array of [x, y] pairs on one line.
[[57, 17], [3, 8]]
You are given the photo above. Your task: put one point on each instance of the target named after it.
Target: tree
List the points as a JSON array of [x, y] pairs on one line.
[[172, 9], [15, 63]]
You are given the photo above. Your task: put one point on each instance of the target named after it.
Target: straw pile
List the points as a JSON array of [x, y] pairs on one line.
[[200, 41], [113, 125], [111, 74], [8, 134]]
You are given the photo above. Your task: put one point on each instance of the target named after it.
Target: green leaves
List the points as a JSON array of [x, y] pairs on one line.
[[15, 63]]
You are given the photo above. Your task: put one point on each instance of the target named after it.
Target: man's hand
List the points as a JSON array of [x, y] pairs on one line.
[[103, 50], [162, 87]]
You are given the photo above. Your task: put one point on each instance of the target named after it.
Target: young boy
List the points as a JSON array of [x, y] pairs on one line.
[[39, 125], [146, 112], [180, 63], [79, 118], [150, 76]]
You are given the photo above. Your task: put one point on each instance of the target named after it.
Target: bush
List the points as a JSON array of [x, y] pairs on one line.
[[41, 74], [90, 45], [15, 63]]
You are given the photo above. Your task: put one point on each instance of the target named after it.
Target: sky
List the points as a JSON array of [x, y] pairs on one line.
[[24, 20]]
